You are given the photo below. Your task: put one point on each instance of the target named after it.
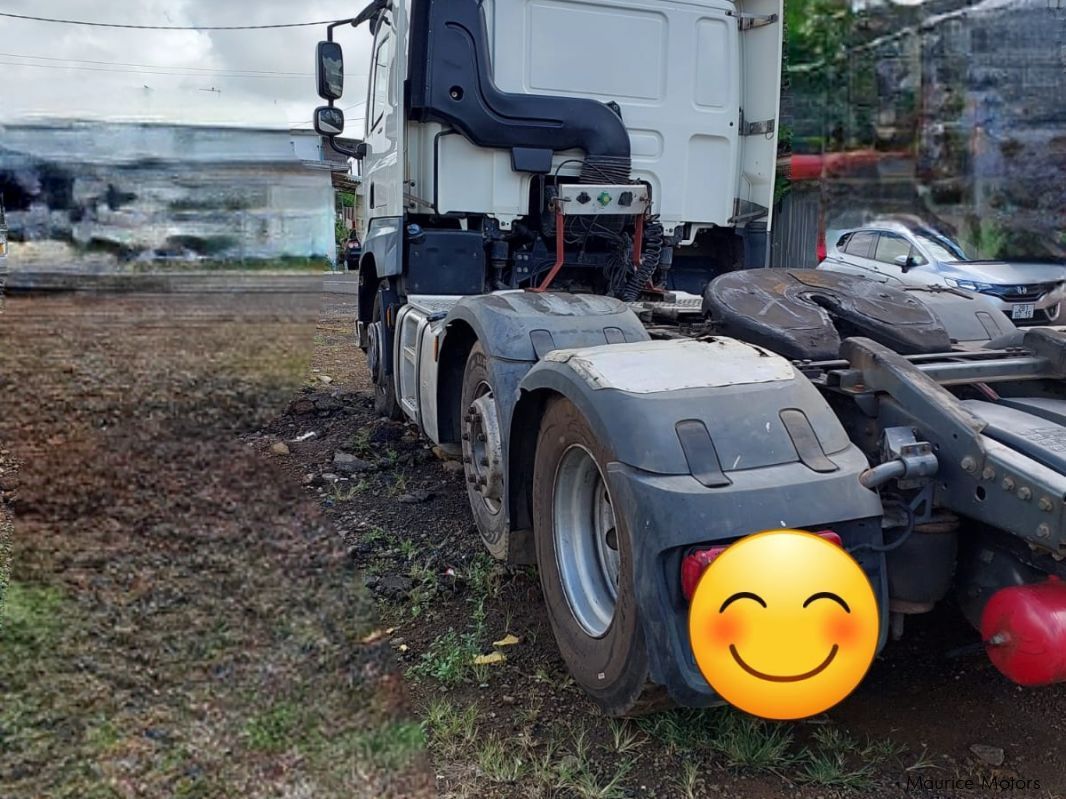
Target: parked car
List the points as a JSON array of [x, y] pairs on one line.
[[911, 253], [353, 249]]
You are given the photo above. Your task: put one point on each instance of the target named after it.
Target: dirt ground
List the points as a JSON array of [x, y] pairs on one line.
[[182, 619], [224, 562]]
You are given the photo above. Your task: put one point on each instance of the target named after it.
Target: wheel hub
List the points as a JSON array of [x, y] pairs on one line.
[[483, 448], [586, 541], [375, 352]]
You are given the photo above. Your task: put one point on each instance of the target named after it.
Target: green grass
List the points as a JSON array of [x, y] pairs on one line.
[[273, 730], [752, 743], [450, 729], [498, 762], [448, 659], [31, 620]]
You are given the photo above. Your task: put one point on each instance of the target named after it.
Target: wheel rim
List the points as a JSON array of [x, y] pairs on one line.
[[586, 541], [482, 448]]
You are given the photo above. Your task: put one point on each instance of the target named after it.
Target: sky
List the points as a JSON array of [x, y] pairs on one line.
[[50, 70]]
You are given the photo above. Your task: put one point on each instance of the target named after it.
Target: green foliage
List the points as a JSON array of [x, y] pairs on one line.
[[449, 658]]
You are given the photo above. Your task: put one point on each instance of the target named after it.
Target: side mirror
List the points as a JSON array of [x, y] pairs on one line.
[[329, 121], [330, 70], [904, 262]]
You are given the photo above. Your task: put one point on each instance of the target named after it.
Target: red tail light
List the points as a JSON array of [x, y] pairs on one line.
[[695, 563]]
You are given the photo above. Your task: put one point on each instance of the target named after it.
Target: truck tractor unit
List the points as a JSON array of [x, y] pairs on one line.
[[567, 210]]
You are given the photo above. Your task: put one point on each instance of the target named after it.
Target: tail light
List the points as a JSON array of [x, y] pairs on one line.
[[695, 563]]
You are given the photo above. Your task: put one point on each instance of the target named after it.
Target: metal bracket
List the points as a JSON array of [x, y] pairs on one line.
[[760, 128], [746, 22]]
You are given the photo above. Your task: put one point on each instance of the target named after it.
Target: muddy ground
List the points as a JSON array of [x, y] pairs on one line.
[[226, 608]]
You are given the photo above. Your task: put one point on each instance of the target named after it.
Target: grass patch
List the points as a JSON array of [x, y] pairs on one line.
[[274, 729], [31, 619], [753, 743], [388, 747], [499, 763], [681, 730], [448, 659], [451, 730]]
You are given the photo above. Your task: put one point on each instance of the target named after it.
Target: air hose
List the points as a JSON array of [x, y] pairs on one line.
[[649, 260]]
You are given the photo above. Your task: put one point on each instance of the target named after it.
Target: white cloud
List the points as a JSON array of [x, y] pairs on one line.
[[65, 88]]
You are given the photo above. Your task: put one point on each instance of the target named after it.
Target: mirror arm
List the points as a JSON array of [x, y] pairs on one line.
[[352, 152], [365, 15]]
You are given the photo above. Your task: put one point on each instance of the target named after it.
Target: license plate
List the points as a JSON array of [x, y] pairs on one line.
[[1025, 310]]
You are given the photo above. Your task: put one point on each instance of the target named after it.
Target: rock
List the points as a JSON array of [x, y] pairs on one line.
[[302, 407], [325, 379], [992, 755], [415, 498], [328, 404], [453, 467], [309, 479], [329, 477], [392, 586], [280, 448], [350, 464]]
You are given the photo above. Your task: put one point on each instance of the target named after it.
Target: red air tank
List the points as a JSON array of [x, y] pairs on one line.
[[1024, 630]]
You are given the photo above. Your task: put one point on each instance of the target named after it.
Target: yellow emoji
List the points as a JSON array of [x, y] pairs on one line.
[[784, 624]]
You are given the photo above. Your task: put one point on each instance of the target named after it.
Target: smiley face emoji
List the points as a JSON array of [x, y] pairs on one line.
[[784, 624]]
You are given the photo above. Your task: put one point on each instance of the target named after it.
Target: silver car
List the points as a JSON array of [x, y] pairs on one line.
[[911, 254]]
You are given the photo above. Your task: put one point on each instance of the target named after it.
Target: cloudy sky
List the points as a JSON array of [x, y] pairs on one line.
[[50, 70]]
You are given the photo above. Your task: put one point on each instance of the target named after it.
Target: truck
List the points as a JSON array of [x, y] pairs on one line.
[[562, 285]]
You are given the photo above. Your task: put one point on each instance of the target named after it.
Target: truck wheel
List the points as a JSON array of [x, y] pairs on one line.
[[384, 389], [586, 570], [483, 453]]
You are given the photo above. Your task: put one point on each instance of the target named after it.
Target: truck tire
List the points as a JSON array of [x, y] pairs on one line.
[[385, 403], [586, 570], [483, 453]]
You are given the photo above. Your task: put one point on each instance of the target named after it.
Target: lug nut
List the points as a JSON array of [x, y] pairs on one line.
[[484, 461], [989, 473], [1024, 494], [481, 437], [1043, 531], [969, 465], [1046, 504], [466, 436], [1008, 484]]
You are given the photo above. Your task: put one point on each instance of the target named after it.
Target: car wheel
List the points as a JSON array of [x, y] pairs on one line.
[[586, 566]]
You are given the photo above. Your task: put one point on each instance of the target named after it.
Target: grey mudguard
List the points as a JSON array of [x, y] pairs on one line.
[[525, 326], [634, 397], [517, 329]]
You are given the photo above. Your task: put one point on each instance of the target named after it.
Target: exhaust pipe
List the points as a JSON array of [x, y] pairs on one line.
[[1024, 630]]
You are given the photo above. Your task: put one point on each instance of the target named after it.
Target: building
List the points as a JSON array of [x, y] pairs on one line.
[[159, 192]]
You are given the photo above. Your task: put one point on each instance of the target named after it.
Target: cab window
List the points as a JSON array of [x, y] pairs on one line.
[[379, 100]]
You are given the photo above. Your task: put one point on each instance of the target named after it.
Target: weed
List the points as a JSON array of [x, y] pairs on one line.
[[360, 443], [31, 618], [388, 747], [408, 548], [624, 738], [448, 658], [499, 763], [450, 729], [399, 486], [753, 743], [273, 729], [830, 768], [483, 577], [681, 730], [531, 713], [424, 588], [688, 780]]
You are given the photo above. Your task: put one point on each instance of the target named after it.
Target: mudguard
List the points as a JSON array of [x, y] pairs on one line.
[[714, 440], [525, 326]]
